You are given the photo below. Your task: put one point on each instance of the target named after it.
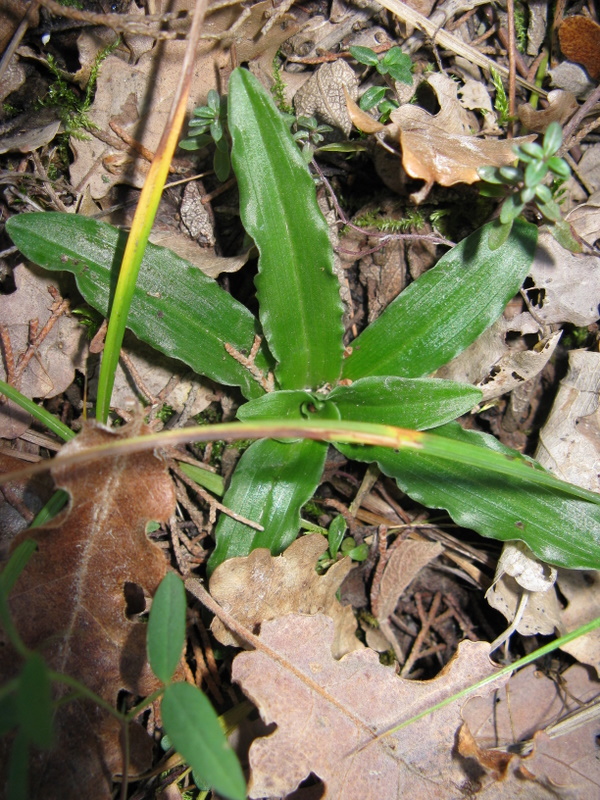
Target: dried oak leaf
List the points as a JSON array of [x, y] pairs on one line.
[[260, 587], [534, 706], [440, 149], [70, 604], [327, 713]]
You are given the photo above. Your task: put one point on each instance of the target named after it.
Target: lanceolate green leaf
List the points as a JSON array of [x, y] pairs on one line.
[[418, 403], [166, 627], [446, 309], [300, 307], [194, 730], [561, 530], [175, 307], [271, 483]]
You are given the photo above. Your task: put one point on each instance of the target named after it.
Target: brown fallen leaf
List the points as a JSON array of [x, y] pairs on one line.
[[561, 106], [56, 355], [324, 95], [579, 39], [137, 96], [261, 587], [534, 706], [403, 566], [440, 148], [71, 604], [327, 713]]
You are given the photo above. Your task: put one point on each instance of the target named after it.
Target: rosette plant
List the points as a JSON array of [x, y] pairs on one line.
[[300, 370]]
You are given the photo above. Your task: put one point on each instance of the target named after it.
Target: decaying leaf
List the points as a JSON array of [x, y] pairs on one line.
[[51, 369], [138, 96], [561, 106], [323, 95], [403, 566], [441, 148], [566, 286], [569, 445], [261, 587], [523, 590], [497, 364], [327, 713], [579, 38], [569, 442], [76, 601], [534, 706], [581, 590]]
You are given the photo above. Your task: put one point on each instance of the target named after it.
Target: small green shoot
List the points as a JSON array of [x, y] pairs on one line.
[[209, 124], [395, 63], [525, 184], [189, 719], [309, 135], [501, 100]]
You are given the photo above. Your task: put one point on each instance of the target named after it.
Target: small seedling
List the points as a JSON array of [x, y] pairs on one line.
[[525, 183], [209, 124], [309, 135], [395, 63]]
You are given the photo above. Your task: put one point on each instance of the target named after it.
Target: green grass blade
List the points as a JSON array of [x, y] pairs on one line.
[[300, 307], [446, 309], [37, 412], [194, 731], [34, 701]]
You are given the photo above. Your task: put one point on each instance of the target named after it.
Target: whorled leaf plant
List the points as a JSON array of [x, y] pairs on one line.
[[383, 380]]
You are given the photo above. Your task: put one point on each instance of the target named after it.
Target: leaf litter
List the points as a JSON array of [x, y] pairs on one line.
[[72, 602], [346, 701]]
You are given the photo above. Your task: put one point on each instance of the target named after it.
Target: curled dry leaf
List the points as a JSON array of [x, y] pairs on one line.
[[71, 604], [561, 107], [519, 571], [440, 149], [327, 713], [261, 587], [323, 95], [403, 566]]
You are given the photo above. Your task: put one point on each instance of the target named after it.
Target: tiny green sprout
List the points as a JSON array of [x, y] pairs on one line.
[[395, 63], [501, 100], [308, 134], [209, 124], [524, 184]]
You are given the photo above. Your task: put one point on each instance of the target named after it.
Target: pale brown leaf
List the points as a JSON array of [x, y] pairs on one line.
[[441, 148], [260, 587], [535, 706], [70, 604], [323, 95], [327, 712], [561, 107]]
